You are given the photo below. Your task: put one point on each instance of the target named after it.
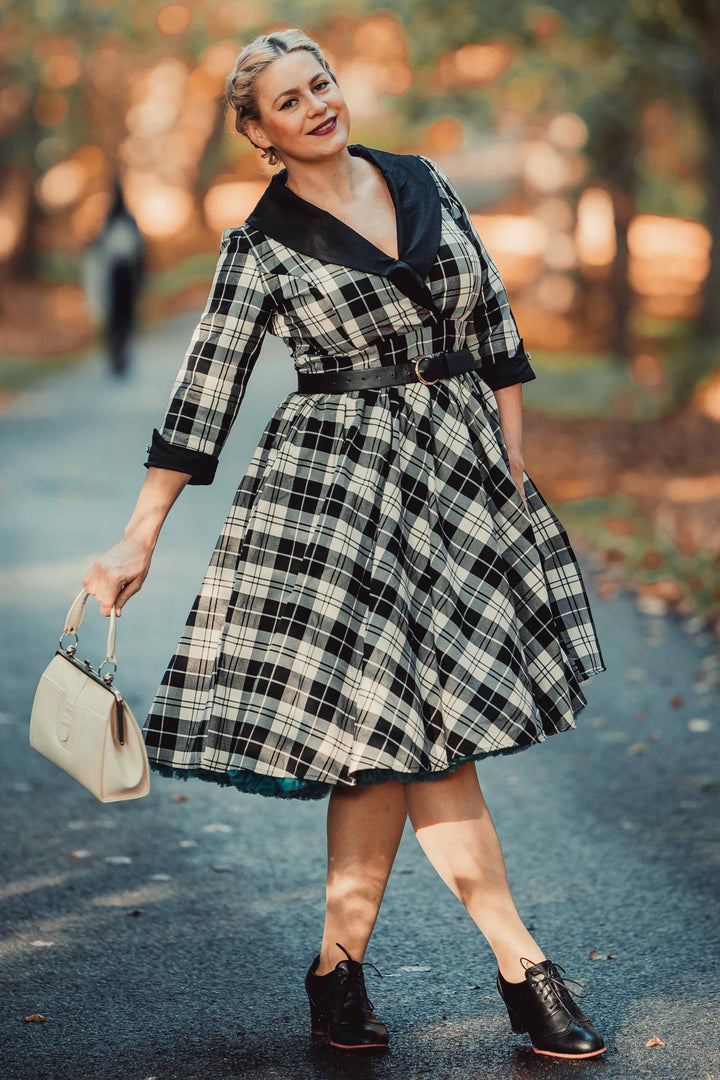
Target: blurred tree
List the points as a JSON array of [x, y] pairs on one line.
[[635, 54], [607, 62], [74, 70], [71, 72]]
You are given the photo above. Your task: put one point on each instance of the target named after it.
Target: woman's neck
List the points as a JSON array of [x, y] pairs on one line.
[[338, 180]]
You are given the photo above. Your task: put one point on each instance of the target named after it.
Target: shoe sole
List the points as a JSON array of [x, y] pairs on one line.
[[552, 1053], [359, 1046], [349, 1046]]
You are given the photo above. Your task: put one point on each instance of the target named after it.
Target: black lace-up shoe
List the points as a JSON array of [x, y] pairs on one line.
[[340, 1009], [543, 1007]]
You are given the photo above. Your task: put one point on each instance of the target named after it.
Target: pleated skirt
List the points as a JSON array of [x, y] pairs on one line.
[[379, 604]]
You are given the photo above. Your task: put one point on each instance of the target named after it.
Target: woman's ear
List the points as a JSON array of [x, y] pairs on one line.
[[256, 135]]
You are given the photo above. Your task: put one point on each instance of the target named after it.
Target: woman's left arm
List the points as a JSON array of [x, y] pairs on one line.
[[492, 333], [509, 402]]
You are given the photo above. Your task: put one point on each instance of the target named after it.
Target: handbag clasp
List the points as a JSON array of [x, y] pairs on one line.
[[70, 648], [108, 677]]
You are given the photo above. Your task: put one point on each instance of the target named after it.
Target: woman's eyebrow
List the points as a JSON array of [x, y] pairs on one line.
[[293, 90]]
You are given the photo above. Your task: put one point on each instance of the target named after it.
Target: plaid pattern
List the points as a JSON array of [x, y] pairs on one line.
[[378, 597]]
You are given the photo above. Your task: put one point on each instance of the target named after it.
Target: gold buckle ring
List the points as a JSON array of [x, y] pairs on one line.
[[420, 378]]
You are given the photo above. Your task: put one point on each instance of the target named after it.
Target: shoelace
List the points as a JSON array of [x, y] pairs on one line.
[[551, 981], [356, 980]]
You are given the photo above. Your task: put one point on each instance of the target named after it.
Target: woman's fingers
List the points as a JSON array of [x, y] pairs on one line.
[[127, 590], [115, 576], [518, 476]]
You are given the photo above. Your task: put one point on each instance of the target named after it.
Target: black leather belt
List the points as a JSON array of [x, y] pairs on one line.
[[426, 369]]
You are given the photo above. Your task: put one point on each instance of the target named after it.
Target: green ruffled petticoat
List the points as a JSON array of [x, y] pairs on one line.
[[291, 787]]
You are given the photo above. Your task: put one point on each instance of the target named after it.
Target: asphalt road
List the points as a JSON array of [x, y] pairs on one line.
[[168, 937]]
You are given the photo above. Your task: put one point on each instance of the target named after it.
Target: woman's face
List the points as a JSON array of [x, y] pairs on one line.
[[294, 96]]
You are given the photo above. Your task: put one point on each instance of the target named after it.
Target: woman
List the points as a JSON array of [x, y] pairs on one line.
[[390, 598]]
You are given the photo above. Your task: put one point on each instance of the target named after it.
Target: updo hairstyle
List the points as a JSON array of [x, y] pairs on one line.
[[252, 61]]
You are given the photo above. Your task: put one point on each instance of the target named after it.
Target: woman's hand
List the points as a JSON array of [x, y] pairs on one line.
[[517, 469], [509, 403], [118, 574]]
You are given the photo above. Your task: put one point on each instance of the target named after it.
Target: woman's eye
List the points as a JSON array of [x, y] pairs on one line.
[[318, 85]]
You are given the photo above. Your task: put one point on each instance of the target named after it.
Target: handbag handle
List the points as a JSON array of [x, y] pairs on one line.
[[75, 617]]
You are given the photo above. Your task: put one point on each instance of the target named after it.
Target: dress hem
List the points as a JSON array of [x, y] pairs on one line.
[[294, 788]]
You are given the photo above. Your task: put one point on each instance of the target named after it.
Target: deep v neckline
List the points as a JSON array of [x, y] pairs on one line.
[[358, 150], [306, 229]]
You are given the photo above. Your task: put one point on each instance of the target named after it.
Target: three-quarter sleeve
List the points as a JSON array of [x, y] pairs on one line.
[[491, 328], [210, 384]]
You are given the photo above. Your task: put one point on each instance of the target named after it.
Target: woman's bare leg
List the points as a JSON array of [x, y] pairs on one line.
[[455, 830], [364, 827]]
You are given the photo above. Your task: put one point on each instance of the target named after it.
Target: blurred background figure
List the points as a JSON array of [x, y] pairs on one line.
[[113, 272]]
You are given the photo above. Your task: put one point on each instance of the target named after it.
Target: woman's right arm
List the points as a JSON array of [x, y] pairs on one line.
[[201, 409], [119, 573]]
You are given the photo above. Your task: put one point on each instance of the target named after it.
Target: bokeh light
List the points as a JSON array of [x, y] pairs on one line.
[[595, 232], [61, 185], [173, 19], [229, 204]]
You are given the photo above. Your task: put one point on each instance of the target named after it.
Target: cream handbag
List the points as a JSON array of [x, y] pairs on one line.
[[81, 723]]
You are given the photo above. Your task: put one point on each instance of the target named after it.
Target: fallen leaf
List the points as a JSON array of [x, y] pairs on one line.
[[82, 853], [652, 605], [677, 701], [179, 798], [655, 1041], [36, 1018], [602, 956]]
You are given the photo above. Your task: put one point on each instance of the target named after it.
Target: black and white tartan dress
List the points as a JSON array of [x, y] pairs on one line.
[[379, 603]]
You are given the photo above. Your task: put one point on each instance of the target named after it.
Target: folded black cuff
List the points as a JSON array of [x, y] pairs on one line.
[[163, 455], [516, 369]]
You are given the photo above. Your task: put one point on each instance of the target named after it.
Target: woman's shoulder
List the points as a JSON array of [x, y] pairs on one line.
[[422, 165], [446, 187], [441, 177], [236, 238], [244, 241]]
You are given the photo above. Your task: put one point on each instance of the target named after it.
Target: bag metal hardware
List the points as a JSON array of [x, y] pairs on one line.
[[420, 378]]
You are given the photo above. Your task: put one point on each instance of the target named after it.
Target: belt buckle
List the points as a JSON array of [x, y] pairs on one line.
[[420, 378]]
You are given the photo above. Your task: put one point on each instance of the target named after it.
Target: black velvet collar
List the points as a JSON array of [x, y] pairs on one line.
[[284, 216]]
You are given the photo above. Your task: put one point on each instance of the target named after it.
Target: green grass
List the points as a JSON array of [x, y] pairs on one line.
[[189, 271], [577, 386], [20, 372], [698, 575]]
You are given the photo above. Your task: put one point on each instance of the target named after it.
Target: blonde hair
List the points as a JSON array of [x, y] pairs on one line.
[[252, 61]]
